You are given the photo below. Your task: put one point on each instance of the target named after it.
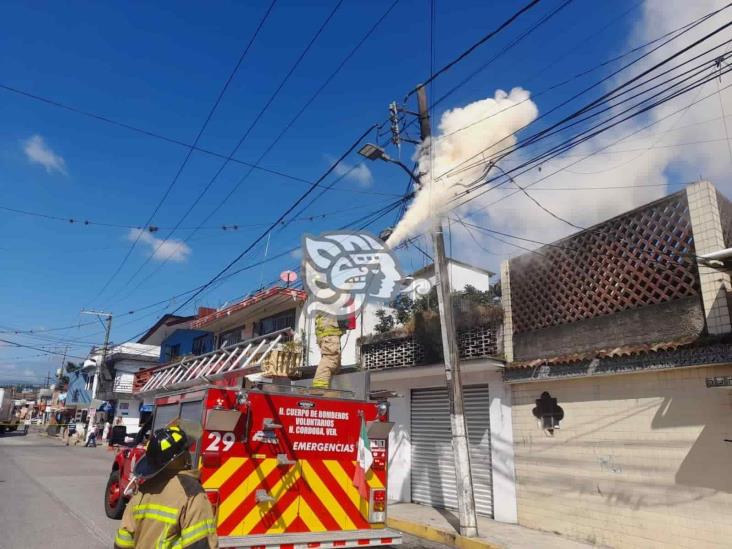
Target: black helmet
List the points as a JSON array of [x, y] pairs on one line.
[[165, 446]]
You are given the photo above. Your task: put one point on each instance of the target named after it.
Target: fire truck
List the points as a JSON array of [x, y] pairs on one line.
[[278, 462]]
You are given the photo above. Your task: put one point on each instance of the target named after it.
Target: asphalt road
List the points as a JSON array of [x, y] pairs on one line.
[[51, 495]]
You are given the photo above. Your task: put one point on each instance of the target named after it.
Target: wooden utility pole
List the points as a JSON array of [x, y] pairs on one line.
[[461, 449]]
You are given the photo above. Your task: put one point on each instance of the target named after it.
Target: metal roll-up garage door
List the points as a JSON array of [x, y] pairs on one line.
[[433, 466]]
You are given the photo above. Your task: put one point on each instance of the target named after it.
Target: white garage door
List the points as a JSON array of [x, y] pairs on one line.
[[433, 466]]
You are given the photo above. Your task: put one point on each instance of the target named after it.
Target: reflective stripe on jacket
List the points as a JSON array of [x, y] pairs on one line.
[[170, 511], [326, 325]]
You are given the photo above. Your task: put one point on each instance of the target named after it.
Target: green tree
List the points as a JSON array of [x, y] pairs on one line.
[[386, 322]]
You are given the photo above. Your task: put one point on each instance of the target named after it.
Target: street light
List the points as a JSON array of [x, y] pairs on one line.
[[374, 152], [720, 260]]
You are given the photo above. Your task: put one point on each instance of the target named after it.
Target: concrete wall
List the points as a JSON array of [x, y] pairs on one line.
[[639, 460], [129, 411], [403, 380]]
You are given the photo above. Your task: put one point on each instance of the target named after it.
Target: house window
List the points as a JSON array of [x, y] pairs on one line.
[[230, 338], [200, 345], [276, 322], [172, 351]]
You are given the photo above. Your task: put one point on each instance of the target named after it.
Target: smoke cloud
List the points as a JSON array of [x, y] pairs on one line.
[[627, 166], [488, 124]]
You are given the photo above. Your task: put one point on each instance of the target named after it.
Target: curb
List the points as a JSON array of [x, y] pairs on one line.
[[446, 537]]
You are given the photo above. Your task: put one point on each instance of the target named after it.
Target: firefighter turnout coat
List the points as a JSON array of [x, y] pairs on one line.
[[169, 511]]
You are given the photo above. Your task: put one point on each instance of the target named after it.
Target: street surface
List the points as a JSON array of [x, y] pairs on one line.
[[52, 495]]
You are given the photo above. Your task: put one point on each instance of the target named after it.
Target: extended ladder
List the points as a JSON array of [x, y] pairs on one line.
[[239, 359]]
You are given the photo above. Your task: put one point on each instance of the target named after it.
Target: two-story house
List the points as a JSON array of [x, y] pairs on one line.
[[110, 382], [407, 360]]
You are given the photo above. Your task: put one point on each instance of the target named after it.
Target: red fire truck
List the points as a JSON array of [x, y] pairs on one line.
[[277, 462]]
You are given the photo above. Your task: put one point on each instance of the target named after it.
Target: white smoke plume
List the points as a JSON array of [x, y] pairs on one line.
[[486, 125], [623, 172]]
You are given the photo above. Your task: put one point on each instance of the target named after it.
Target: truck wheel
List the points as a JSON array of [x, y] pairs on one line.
[[2, 429], [114, 501], [13, 428]]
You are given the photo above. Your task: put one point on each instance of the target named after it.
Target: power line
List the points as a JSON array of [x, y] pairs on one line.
[[475, 46], [190, 150], [593, 132], [538, 135], [501, 52], [572, 163], [23, 346], [289, 125], [241, 141]]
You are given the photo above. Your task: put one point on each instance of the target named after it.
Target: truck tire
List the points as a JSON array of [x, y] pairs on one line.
[[13, 428], [2, 429], [114, 501]]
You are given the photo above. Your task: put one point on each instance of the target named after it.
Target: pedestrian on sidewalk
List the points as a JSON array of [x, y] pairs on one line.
[[170, 508], [91, 441]]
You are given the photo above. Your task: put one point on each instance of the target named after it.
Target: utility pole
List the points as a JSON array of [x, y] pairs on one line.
[[107, 330], [461, 450]]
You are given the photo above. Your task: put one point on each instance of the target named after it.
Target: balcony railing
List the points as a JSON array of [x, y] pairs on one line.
[[404, 351]]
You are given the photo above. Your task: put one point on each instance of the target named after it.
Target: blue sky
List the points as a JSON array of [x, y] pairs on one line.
[[160, 66]]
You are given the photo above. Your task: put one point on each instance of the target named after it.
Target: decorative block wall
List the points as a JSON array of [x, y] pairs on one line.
[[642, 257]]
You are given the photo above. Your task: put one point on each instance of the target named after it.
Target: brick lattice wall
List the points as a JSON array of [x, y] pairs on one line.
[[640, 258], [476, 342], [392, 353]]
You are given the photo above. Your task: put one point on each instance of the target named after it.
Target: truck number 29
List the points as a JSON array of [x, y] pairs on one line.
[[217, 439]]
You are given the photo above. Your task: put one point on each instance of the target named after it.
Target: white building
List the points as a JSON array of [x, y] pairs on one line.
[[117, 374], [421, 459], [461, 275]]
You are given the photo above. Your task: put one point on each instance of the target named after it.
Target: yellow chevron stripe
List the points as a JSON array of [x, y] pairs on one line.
[[330, 502], [285, 519], [309, 517], [246, 488], [346, 483], [278, 490], [217, 480]]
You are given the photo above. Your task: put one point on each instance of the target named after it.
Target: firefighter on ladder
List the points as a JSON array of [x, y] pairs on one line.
[[170, 509], [328, 332]]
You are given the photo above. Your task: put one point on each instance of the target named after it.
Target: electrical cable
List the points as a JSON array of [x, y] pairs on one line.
[[187, 157], [533, 138], [572, 163], [241, 141], [292, 121], [596, 130], [475, 46]]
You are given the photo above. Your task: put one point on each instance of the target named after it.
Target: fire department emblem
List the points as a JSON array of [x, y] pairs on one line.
[[343, 271]]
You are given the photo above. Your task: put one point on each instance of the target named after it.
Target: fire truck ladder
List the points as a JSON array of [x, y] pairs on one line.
[[239, 359]]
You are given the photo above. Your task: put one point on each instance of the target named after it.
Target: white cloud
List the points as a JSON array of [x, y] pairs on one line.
[[163, 250], [13, 372], [359, 173], [37, 151]]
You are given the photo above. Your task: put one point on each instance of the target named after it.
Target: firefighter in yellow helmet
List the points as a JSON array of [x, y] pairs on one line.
[[328, 332], [170, 509]]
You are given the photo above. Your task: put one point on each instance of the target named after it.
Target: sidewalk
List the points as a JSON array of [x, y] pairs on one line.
[[440, 525]]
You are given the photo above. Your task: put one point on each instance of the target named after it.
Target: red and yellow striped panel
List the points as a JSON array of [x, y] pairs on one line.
[[307, 496]]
